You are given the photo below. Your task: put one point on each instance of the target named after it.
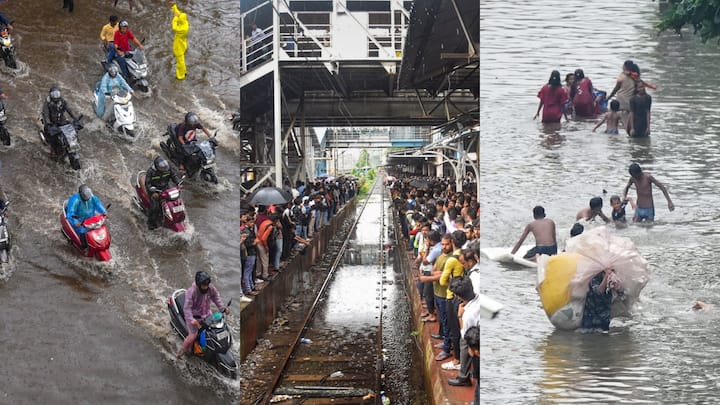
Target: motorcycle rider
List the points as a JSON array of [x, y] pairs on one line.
[[109, 81], [81, 206], [186, 135], [158, 176], [5, 22], [121, 40], [197, 306], [53, 114]]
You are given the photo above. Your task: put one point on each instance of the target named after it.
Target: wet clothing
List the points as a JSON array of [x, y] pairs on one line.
[[83, 210], [185, 134], [626, 91], [639, 108], [197, 306], [584, 101], [645, 214], [106, 85], [180, 27], [543, 250], [161, 181], [553, 99], [613, 131], [619, 215], [53, 114], [596, 314]]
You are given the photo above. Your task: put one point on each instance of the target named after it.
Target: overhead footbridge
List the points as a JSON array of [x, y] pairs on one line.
[[351, 64]]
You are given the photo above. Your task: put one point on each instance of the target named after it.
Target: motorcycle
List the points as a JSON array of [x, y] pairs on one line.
[[68, 143], [137, 67], [4, 133], [196, 157], [7, 49], [171, 205], [98, 238], [123, 120], [4, 235], [214, 339]]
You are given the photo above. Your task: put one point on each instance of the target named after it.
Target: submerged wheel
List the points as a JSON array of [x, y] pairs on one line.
[[209, 176]]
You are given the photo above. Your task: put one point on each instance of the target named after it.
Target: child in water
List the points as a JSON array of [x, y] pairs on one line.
[[618, 209], [612, 118]]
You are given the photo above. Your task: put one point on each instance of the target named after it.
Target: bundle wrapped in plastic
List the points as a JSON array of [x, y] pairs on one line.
[[563, 280]]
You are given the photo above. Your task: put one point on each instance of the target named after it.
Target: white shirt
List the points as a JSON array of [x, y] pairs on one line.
[[471, 316]]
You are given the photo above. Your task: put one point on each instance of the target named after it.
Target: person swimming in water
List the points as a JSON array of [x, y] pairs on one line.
[[544, 231], [594, 210]]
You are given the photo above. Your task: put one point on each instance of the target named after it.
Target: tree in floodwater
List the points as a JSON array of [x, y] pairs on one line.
[[703, 15]]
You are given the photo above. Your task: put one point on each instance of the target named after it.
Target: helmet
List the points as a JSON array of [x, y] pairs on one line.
[[113, 70], [123, 23], [161, 164], [192, 120], [55, 94], [202, 278], [85, 192]]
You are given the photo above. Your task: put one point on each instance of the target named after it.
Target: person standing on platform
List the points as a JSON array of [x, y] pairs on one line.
[[180, 27]]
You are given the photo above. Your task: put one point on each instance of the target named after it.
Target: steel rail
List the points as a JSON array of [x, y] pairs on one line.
[[293, 347]]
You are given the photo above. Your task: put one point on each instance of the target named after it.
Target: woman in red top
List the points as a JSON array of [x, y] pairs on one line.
[[552, 97], [583, 101]]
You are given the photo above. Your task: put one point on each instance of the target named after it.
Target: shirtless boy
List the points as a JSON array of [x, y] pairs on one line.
[[594, 210], [543, 230], [645, 209], [612, 118]]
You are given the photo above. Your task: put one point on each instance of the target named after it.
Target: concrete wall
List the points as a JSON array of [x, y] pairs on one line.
[[257, 316]]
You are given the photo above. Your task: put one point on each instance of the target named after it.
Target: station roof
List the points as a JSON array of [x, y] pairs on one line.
[[437, 45]]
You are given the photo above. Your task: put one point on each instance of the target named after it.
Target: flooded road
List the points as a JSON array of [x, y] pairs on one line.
[[92, 333], [665, 353]]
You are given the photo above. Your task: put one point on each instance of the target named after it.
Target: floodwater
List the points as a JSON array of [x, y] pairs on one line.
[[664, 353], [76, 331]]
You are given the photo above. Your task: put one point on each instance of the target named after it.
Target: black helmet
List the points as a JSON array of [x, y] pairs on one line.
[[123, 23], [113, 70], [202, 278], [161, 164], [192, 120], [55, 93], [85, 192]]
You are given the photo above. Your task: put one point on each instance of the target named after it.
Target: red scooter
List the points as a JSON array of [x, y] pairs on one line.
[[172, 207], [98, 237]]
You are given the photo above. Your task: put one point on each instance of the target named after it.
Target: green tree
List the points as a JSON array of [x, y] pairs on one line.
[[363, 160], [703, 15]]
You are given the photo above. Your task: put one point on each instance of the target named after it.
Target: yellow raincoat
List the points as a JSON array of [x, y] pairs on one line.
[[180, 27]]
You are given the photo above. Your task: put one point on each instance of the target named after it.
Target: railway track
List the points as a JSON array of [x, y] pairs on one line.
[[336, 355]]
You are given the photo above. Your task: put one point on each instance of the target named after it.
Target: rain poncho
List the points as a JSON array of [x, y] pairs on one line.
[[83, 210], [564, 279], [180, 26], [106, 85]]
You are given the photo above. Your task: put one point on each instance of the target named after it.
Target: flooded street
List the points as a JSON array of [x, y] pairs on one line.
[[665, 353], [99, 333]]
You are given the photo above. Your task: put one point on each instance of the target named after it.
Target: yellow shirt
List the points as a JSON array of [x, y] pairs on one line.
[[454, 268], [440, 290], [108, 32]]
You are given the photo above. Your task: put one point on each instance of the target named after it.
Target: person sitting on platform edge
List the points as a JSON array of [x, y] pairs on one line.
[[543, 231]]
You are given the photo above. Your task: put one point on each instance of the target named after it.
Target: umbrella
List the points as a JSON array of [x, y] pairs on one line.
[[269, 196], [420, 184]]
